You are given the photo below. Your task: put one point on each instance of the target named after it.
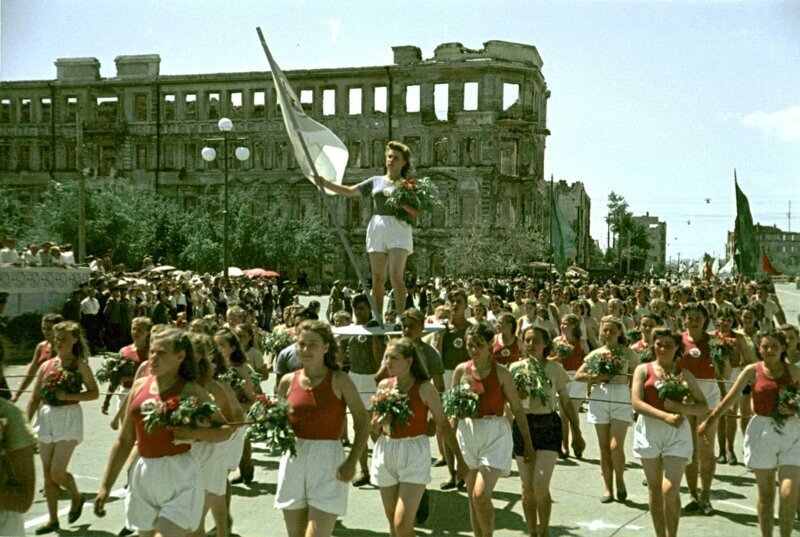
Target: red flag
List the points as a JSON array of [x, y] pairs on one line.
[[709, 272], [767, 266]]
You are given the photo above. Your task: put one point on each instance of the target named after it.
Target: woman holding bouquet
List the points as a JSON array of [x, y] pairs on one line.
[[507, 347], [772, 440], [57, 392], [137, 352], [401, 466], [570, 348], [166, 488], [312, 486], [696, 358], [485, 440], [389, 237], [609, 369], [663, 395], [538, 381], [42, 352]]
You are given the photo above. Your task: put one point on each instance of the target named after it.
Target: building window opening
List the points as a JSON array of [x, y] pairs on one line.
[[412, 99], [259, 108], [107, 110], [212, 105], [355, 101], [510, 95], [25, 111], [44, 157], [46, 107], [235, 104], [190, 156], [329, 102], [307, 100], [169, 107], [71, 109], [5, 111], [190, 103], [140, 106], [355, 154], [441, 101], [23, 158], [141, 157], [380, 103], [470, 96], [5, 158]]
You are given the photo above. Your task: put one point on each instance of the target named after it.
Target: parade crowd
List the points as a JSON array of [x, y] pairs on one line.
[[187, 332]]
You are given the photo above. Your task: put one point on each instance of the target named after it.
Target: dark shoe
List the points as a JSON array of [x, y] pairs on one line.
[[577, 452], [423, 510], [438, 463], [237, 480], [247, 474], [722, 459], [732, 460], [462, 485], [692, 507], [361, 481], [76, 514], [47, 528], [622, 495], [124, 532], [606, 498], [345, 442], [644, 482], [563, 455], [449, 484]]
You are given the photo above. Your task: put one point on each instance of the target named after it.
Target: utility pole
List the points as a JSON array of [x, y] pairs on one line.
[[789, 215], [81, 188]]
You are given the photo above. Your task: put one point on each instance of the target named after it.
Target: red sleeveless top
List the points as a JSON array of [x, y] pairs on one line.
[[492, 398], [699, 365], [418, 422], [506, 354], [317, 414], [650, 391], [131, 353], [46, 354], [574, 361], [48, 368], [765, 389], [159, 443]]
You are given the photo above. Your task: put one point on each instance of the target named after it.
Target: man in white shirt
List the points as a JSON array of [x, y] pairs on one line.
[[8, 253], [31, 256], [90, 317], [67, 255]]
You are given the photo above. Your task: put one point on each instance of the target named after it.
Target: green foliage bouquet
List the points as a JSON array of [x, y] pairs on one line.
[[419, 194], [271, 425]]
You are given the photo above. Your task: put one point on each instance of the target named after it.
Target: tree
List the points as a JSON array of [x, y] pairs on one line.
[[482, 250], [630, 238], [13, 214]]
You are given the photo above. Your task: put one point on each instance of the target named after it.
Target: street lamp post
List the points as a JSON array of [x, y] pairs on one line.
[[209, 154]]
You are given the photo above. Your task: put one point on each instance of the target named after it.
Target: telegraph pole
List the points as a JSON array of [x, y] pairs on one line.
[[81, 188]]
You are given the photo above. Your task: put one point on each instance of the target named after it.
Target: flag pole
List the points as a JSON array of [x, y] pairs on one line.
[[326, 198], [550, 226]]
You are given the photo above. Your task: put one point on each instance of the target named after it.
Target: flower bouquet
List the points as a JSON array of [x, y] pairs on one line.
[[115, 368], [530, 379], [562, 349], [59, 379], [673, 387], [722, 348], [789, 399], [391, 404], [271, 425], [644, 355], [461, 402], [633, 335], [419, 194], [233, 378], [608, 363], [275, 342], [176, 412]]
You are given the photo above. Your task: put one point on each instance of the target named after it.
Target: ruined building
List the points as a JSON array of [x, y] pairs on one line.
[[476, 121], [576, 206]]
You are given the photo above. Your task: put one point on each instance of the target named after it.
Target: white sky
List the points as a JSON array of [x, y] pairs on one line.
[[658, 101]]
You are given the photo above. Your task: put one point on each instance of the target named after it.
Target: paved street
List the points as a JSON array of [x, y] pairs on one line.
[[576, 489]]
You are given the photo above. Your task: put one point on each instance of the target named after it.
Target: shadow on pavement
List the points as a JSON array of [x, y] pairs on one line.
[[736, 480], [84, 530], [254, 489]]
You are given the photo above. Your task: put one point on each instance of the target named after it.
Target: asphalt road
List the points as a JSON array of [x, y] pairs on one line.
[[576, 489]]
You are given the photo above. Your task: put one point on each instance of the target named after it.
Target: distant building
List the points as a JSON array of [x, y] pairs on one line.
[[576, 206], [657, 235], [476, 121], [782, 247]]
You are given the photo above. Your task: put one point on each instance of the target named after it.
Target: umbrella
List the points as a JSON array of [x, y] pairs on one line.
[[261, 273], [164, 268]]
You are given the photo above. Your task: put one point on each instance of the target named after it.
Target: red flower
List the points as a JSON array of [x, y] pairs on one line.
[[411, 181], [172, 403]]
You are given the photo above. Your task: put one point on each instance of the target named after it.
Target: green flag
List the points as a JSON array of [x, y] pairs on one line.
[[745, 238], [562, 237]]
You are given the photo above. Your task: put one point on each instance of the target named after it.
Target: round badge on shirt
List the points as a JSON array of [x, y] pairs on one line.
[[458, 343]]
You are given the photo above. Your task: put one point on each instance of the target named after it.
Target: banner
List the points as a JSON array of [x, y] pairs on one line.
[[746, 239], [766, 265]]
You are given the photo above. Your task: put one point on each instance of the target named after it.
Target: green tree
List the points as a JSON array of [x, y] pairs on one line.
[[14, 222], [481, 250], [630, 243]]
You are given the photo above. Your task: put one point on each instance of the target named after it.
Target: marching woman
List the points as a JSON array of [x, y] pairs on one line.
[[572, 335], [661, 436], [235, 358], [389, 239], [749, 331], [312, 486], [42, 352], [696, 359], [486, 441], [507, 347], [166, 489], [401, 466], [544, 426], [609, 404], [136, 351], [59, 418], [772, 440]]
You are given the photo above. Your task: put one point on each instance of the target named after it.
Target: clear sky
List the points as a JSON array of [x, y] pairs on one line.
[[657, 101]]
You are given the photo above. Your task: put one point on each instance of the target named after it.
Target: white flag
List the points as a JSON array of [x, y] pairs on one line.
[[727, 270], [715, 266], [326, 151]]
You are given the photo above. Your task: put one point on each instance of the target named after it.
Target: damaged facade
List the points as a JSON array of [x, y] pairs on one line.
[[476, 121]]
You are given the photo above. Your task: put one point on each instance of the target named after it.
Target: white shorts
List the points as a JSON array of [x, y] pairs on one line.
[[486, 442], [619, 408], [577, 389], [653, 438], [12, 524], [234, 447], [59, 423], [387, 232], [365, 385], [448, 378], [765, 448], [710, 389], [401, 460], [309, 479], [165, 487], [213, 471], [121, 394]]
